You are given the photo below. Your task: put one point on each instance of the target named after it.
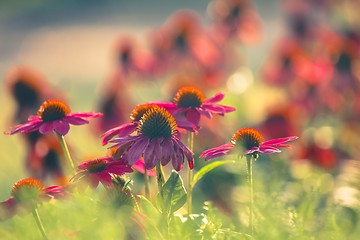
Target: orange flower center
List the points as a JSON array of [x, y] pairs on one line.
[[157, 123], [247, 138], [139, 111], [26, 190], [189, 97], [96, 165], [52, 110]]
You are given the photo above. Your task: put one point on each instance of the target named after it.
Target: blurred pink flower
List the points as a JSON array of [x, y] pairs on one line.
[[26, 194], [156, 141], [190, 103], [249, 141], [53, 115], [100, 170]]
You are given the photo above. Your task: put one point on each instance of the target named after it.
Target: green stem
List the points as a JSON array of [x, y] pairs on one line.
[[249, 159], [147, 188], [66, 151], [160, 178], [189, 175], [38, 223]]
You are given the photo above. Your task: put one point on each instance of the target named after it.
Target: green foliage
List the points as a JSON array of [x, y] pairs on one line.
[[173, 194]]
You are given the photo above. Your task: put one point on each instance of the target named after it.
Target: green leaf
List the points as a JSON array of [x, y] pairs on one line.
[[173, 194], [208, 168]]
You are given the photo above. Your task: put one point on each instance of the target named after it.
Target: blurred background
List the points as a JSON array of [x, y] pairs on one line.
[[289, 67]]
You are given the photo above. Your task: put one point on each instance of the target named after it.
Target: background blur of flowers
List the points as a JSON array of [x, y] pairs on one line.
[[288, 67]]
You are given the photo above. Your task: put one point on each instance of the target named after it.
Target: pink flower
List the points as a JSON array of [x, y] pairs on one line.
[[140, 167], [26, 194], [190, 103], [100, 170], [127, 128], [156, 141], [249, 141], [53, 115]]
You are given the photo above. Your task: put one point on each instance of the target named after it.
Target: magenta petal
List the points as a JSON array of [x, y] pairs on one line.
[[85, 114], [121, 131], [61, 127], [205, 112], [279, 141], [117, 167], [104, 177], [218, 97], [169, 106], [76, 120], [46, 127], [193, 116], [215, 155], [224, 147], [140, 167], [136, 150], [266, 149]]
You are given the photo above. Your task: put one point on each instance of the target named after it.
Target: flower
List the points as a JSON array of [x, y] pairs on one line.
[[100, 170], [190, 102], [53, 115], [156, 141], [26, 194], [128, 128], [250, 142]]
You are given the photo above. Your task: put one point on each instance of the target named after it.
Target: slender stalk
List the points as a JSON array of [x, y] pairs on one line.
[[189, 175], [160, 178], [249, 159], [66, 151], [38, 223], [147, 188]]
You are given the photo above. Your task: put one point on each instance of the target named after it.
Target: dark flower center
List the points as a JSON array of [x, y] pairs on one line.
[[96, 165], [139, 111], [247, 138], [157, 123], [52, 110], [189, 97], [27, 190]]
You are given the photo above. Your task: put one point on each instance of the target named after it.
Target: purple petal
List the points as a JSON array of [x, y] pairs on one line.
[[166, 150], [193, 116], [76, 120], [187, 152], [119, 142], [61, 127], [121, 131], [46, 127], [34, 119], [218, 97], [152, 154], [177, 158], [279, 141], [136, 150], [215, 155]]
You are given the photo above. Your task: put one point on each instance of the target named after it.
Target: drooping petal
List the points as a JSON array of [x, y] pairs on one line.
[[104, 177], [76, 120], [61, 127], [118, 167], [218, 97], [140, 167], [166, 150], [152, 154], [119, 142], [187, 152], [177, 158], [205, 113], [193, 116], [25, 128], [224, 147], [85, 114], [46, 127], [266, 149], [121, 131], [279, 141], [136, 150]]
